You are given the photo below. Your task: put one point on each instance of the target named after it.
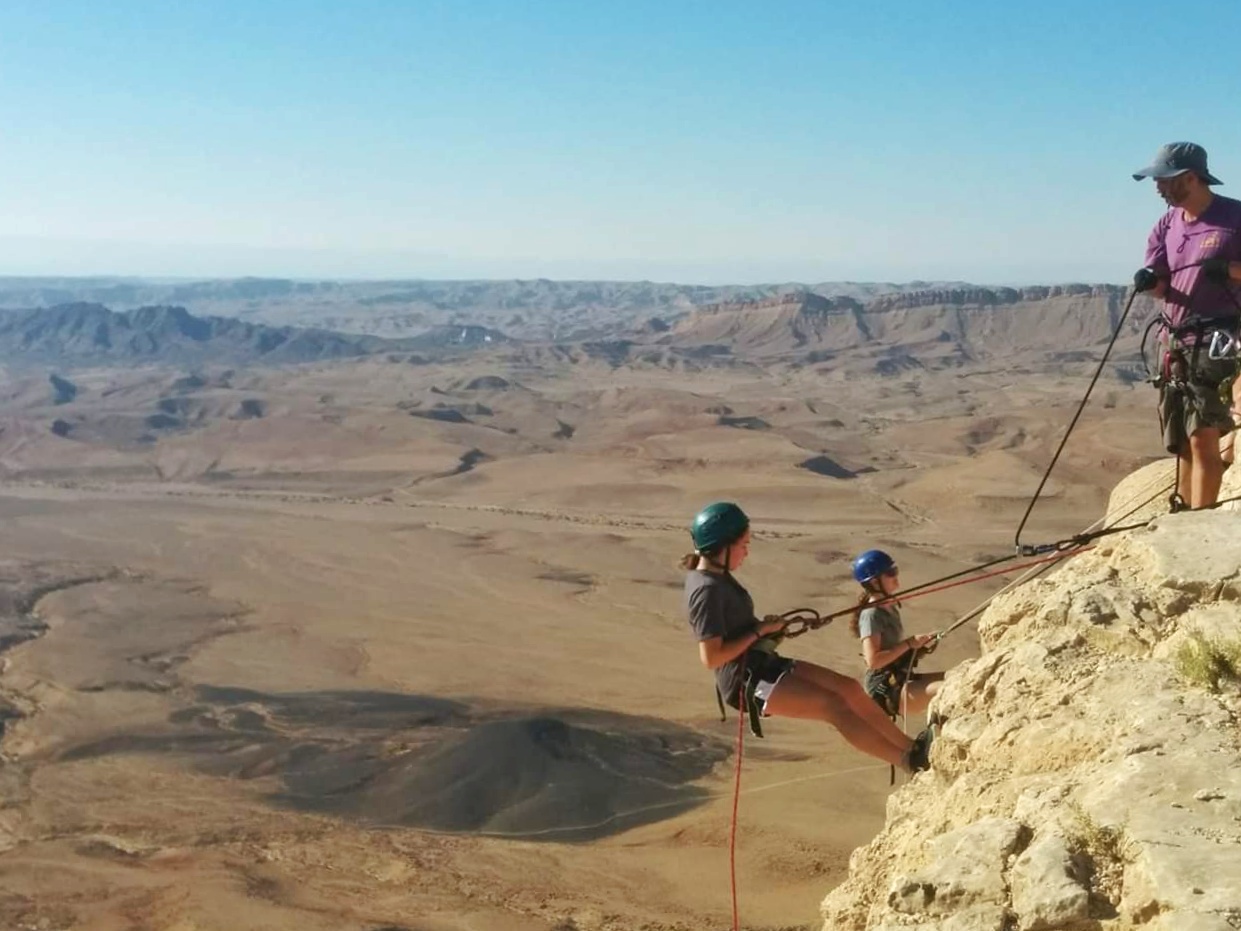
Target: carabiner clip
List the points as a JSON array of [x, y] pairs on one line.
[[1223, 346]]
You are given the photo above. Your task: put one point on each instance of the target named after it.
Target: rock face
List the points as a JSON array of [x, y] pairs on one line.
[[1088, 775], [1144, 494]]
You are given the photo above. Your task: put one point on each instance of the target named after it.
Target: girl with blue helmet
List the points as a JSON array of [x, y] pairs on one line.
[[890, 655], [750, 675]]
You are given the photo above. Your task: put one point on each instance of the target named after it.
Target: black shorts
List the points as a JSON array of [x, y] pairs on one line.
[[885, 686]]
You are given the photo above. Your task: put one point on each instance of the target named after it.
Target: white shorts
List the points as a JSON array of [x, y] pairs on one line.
[[764, 688]]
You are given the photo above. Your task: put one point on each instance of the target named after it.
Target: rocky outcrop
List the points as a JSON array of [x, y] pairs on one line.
[[805, 301], [991, 297], [927, 328], [1145, 494], [773, 326], [1088, 775]]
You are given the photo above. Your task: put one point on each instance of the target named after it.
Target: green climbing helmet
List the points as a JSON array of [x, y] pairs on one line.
[[717, 525]]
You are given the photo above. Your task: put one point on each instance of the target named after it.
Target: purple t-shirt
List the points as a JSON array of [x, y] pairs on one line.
[[1176, 242]]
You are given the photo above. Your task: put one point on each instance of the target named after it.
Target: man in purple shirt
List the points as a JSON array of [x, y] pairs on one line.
[[1193, 263]]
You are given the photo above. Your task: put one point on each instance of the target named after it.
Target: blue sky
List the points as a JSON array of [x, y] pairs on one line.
[[675, 141]]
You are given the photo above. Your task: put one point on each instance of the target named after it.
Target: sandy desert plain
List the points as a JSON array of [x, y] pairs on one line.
[[380, 643]]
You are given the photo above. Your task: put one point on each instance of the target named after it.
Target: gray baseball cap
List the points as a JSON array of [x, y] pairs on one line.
[[1176, 158]]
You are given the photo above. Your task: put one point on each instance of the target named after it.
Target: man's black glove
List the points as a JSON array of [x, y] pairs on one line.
[[1145, 279], [1216, 270]]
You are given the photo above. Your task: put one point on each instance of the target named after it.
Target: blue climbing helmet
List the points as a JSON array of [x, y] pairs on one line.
[[718, 525], [872, 564]]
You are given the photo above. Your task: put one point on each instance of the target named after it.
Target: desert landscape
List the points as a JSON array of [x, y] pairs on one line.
[[355, 605]]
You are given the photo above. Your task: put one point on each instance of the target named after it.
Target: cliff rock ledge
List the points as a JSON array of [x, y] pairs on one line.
[[1088, 775]]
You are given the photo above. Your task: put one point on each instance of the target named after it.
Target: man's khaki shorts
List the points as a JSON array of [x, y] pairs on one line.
[[1186, 409]]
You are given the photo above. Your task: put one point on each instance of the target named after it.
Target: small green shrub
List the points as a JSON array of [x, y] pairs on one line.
[[1210, 663], [1106, 849], [1103, 842]]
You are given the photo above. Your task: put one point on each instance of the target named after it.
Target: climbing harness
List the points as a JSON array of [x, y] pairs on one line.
[[748, 705], [798, 621], [889, 685], [1179, 369]]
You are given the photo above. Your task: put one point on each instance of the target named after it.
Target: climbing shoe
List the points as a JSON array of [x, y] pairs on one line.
[[920, 752]]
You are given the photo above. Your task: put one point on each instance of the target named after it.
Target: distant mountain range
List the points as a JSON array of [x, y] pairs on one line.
[[84, 333], [536, 309], [887, 332]]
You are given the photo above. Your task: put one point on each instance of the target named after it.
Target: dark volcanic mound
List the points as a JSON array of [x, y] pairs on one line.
[[488, 383], [394, 759], [535, 777]]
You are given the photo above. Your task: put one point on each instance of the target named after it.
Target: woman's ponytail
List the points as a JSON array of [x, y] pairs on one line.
[[855, 619]]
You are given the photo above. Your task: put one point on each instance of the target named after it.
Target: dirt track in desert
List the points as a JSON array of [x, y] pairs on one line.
[[329, 669]]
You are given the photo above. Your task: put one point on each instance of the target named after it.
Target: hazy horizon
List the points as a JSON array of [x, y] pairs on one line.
[[256, 274]]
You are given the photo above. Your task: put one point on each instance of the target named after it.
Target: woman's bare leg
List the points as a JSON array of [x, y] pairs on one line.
[[855, 696], [917, 694], [799, 697]]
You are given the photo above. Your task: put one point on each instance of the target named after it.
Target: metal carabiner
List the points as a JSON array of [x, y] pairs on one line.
[[1224, 346], [798, 621]]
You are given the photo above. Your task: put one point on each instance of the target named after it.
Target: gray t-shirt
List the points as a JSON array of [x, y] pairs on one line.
[[718, 606], [884, 620]]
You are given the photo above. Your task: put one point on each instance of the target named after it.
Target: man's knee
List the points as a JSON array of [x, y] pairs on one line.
[[1204, 444]]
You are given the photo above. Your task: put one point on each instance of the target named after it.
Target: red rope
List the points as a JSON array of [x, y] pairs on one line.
[[986, 575], [732, 831], [814, 623]]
